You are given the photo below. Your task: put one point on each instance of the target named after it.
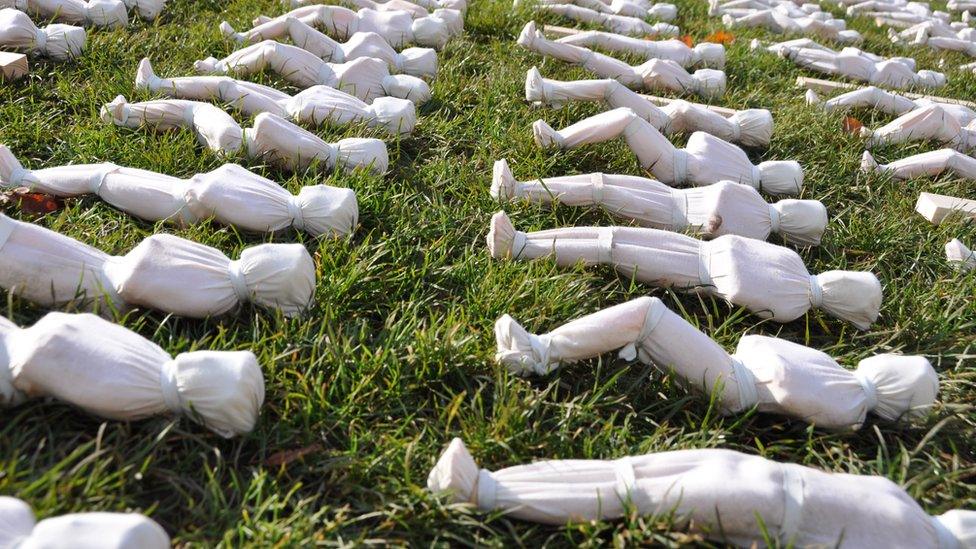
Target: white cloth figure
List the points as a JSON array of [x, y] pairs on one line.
[[780, 23], [767, 373], [931, 122], [713, 210], [705, 54], [100, 13], [620, 24], [163, 272], [115, 373], [654, 74], [768, 280], [937, 37], [421, 62], [727, 496], [888, 102], [627, 8], [272, 137], [316, 105], [750, 127], [960, 255], [60, 42], [19, 528], [397, 27], [705, 159], [854, 64], [230, 195], [929, 164], [431, 5], [365, 77]]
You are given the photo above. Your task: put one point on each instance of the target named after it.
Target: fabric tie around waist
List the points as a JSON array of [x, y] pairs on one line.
[[816, 293], [238, 282], [652, 317], [680, 165], [295, 212], [746, 382], [170, 387], [870, 390], [792, 504], [97, 179], [773, 219]]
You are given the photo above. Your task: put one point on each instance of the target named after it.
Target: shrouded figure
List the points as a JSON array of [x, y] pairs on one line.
[[99, 13], [727, 496], [924, 123], [857, 65], [230, 195], [888, 102], [767, 373], [706, 159], [750, 127], [706, 54], [654, 74], [928, 164], [768, 280], [59, 42], [778, 22], [641, 9], [317, 105], [619, 24], [112, 372], [713, 210]]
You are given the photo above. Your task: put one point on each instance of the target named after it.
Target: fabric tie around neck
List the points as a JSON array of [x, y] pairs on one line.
[[870, 390], [773, 219], [40, 39], [170, 387], [746, 382], [295, 211], [238, 282], [487, 488], [816, 293]]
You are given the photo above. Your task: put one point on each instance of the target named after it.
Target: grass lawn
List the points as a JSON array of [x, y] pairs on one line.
[[396, 355]]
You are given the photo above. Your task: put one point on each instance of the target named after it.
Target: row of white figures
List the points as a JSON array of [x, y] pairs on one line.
[[749, 127], [640, 9], [230, 195], [163, 272], [768, 280], [99, 13], [784, 18], [271, 138], [723, 495], [656, 73], [114, 373], [704, 160], [57, 41], [938, 36], [19, 528], [855, 64]]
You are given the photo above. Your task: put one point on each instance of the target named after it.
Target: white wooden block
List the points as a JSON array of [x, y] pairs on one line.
[[560, 32], [936, 207], [12, 65]]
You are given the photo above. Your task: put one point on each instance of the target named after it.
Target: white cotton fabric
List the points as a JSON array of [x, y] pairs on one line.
[[164, 272], [654, 74], [620, 24], [317, 105], [929, 164], [751, 127], [770, 374], [768, 280], [365, 77], [937, 36], [925, 123], [706, 159], [627, 8], [271, 137], [713, 210], [100, 13], [780, 23], [59, 42], [231, 195], [706, 54], [112, 372], [959, 255], [421, 62], [888, 102], [19, 529], [727, 496], [855, 64]]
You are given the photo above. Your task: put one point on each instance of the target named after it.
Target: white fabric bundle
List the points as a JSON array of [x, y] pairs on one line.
[[421, 62], [115, 373], [768, 280], [780, 23], [19, 528], [230, 195], [857, 65], [396, 27], [654, 74], [751, 127], [163, 272], [625, 8], [770, 374], [272, 137], [960, 255], [316, 105], [706, 54], [365, 77], [930, 163], [60, 42], [100, 13], [727, 496], [931, 122], [713, 210], [889, 102], [705, 159], [620, 24]]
